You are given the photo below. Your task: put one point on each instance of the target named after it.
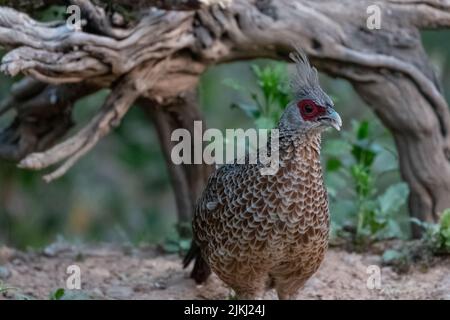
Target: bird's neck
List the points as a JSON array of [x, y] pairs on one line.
[[302, 145], [301, 179], [300, 158]]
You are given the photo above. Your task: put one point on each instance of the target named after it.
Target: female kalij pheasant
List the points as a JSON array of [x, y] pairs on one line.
[[270, 231]]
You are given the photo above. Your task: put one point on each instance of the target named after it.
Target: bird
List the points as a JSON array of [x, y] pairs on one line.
[[258, 232]]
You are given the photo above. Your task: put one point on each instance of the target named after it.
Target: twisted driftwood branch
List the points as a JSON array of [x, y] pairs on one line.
[[117, 104], [379, 63], [33, 5], [43, 116]]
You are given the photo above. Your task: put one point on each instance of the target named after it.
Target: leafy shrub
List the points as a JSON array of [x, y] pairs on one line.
[[437, 235], [268, 102], [371, 213]]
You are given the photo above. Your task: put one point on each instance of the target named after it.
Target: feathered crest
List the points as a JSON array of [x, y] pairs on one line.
[[305, 79]]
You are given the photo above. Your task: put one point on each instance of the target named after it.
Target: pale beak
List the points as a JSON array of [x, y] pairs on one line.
[[332, 119]]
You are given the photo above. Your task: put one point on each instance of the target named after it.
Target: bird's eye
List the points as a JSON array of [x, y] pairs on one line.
[[308, 108]]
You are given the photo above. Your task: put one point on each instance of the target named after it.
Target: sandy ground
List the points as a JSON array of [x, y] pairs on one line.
[[109, 272]]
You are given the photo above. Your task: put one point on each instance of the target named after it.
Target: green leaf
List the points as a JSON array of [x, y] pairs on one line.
[[363, 180], [363, 155], [444, 230], [363, 130], [393, 198], [447, 244], [374, 222], [392, 230], [333, 164], [272, 97], [58, 294], [445, 233], [445, 219]]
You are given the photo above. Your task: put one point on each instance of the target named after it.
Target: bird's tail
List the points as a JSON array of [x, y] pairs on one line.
[[201, 270]]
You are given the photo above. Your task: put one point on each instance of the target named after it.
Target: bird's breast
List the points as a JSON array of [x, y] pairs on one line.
[[301, 217]]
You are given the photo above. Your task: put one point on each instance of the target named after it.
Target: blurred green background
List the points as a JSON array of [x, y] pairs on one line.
[[120, 192]]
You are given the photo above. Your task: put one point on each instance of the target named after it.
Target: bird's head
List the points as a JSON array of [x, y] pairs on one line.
[[312, 108]]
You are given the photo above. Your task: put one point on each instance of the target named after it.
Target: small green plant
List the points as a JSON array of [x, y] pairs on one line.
[[273, 95], [437, 235], [351, 158], [58, 294]]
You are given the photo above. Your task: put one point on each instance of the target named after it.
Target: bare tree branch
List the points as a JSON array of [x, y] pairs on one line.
[[43, 116], [173, 4], [120, 100], [59, 55], [34, 5], [430, 14], [99, 22]]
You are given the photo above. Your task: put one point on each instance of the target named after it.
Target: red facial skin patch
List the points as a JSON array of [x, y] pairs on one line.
[[310, 110]]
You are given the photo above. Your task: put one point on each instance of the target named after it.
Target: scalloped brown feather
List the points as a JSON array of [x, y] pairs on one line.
[[255, 230]]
